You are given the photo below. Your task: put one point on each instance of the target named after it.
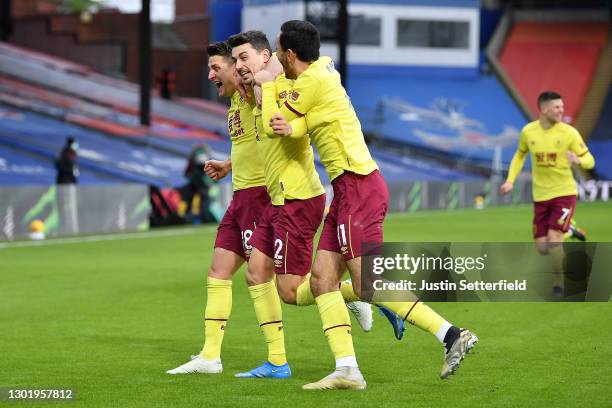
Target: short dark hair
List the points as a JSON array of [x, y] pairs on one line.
[[547, 96], [256, 38], [221, 48], [302, 37]]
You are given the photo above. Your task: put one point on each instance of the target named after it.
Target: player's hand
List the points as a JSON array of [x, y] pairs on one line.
[[280, 126], [572, 157], [217, 169], [269, 73], [257, 94], [506, 187], [264, 76]]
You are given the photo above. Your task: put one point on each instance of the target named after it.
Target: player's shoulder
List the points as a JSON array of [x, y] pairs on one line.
[[282, 80], [531, 127], [320, 68], [567, 129]]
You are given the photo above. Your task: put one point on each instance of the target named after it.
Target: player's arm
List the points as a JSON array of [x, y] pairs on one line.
[[217, 169], [301, 97], [516, 165], [273, 123], [579, 154]]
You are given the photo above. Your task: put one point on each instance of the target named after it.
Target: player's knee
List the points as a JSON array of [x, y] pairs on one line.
[[315, 284], [555, 237], [542, 247], [219, 273], [288, 295], [253, 277]]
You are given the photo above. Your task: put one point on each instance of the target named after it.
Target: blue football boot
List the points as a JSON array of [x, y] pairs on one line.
[[398, 324], [267, 370]]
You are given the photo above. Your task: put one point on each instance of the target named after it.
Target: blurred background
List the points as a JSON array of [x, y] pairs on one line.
[[106, 114]]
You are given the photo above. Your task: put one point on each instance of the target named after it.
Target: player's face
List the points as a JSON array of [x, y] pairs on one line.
[[553, 110], [282, 56], [221, 73], [249, 62]]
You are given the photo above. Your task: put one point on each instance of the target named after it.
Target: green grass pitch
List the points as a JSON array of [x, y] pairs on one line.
[[108, 318]]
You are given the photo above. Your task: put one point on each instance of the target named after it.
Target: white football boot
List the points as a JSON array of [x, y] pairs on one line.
[[344, 378], [198, 365]]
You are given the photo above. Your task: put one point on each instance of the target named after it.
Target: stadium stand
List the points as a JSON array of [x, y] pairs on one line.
[[75, 80], [600, 141], [465, 116], [46, 99], [20, 168], [554, 55], [119, 160]]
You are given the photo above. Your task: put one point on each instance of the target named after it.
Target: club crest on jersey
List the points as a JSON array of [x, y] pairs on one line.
[[294, 96]]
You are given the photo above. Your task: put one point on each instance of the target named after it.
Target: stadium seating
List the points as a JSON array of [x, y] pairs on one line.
[[20, 168], [45, 99], [462, 115], [600, 141], [541, 56], [118, 160]]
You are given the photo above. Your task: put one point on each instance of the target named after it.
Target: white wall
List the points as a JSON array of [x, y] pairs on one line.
[[270, 17]]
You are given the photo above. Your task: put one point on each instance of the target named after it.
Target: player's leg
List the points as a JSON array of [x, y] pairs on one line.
[[575, 231], [228, 256], [457, 342], [363, 223], [326, 273], [550, 233], [219, 300], [561, 215], [295, 228], [555, 249], [266, 301]]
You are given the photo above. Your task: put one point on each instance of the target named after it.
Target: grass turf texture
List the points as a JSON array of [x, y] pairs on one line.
[[108, 318]]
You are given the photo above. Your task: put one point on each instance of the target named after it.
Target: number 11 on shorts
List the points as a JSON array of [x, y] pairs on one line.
[[342, 238]]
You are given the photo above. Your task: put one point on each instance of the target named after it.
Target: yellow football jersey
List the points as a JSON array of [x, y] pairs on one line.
[[288, 161], [334, 128], [552, 173], [247, 168]]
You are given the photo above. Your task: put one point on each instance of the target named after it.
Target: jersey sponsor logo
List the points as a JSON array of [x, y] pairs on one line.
[[234, 124], [282, 95], [546, 159]]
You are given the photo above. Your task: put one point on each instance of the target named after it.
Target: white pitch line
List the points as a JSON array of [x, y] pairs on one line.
[[99, 238]]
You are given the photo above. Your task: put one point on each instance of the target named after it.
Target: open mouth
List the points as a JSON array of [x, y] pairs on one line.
[[218, 84]]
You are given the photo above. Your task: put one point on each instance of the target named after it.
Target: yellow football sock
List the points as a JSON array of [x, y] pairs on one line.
[[336, 324], [557, 256], [416, 313], [218, 309], [304, 296], [348, 294], [270, 317]]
